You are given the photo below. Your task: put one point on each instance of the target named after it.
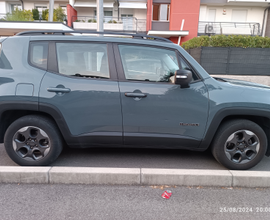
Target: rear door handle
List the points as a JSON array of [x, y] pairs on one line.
[[57, 90], [135, 95]]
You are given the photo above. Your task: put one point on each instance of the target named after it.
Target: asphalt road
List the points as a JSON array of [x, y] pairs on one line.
[[76, 202], [136, 158]]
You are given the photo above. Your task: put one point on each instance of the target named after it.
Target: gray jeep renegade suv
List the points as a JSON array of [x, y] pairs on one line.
[[59, 89]]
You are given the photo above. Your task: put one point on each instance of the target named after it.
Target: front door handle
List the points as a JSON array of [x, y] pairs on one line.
[[58, 90], [135, 95]]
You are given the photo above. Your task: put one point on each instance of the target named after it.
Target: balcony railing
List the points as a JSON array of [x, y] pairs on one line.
[[129, 24], [228, 28]]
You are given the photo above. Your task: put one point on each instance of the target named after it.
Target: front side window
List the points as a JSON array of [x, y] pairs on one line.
[[38, 54], [148, 64], [83, 59]]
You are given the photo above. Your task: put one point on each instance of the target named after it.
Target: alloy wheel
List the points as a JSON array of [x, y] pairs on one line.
[[31, 143], [242, 146]]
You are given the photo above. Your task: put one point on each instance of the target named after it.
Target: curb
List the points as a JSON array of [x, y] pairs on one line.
[[134, 176]]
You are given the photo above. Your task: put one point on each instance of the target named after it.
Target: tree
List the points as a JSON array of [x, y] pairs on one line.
[[45, 14], [58, 15], [35, 13], [20, 15]]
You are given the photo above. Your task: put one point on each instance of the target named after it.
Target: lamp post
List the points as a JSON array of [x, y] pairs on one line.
[[100, 15], [51, 10]]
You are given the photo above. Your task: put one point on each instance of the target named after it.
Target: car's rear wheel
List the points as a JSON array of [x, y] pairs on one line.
[[33, 141], [239, 144]]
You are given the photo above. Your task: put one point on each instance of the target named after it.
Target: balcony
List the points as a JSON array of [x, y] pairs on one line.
[[228, 28], [128, 24], [160, 25], [10, 27]]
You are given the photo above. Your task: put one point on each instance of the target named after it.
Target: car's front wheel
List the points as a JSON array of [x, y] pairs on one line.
[[239, 144], [33, 141]]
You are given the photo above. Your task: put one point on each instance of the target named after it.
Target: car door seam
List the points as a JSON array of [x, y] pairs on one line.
[[118, 83]]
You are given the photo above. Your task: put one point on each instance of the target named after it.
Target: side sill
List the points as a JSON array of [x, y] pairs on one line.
[[161, 140]]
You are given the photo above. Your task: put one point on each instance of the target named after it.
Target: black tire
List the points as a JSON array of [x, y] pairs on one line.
[[239, 144], [33, 141]]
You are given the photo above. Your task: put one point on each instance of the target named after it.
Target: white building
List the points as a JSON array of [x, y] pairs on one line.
[[121, 15], [11, 28], [234, 16], [10, 5], [249, 17]]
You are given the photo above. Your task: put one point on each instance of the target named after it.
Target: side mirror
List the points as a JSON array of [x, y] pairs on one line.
[[183, 77]]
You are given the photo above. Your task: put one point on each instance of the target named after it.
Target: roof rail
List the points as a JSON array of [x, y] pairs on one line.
[[137, 36]]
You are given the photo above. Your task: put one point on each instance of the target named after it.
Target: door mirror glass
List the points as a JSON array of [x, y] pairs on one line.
[[183, 77]]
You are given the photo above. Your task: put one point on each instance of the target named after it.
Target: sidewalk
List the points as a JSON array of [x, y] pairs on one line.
[[135, 167], [134, 176]]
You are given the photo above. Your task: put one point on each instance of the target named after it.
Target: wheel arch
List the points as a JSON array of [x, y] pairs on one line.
[[259, 116], [12, 111]]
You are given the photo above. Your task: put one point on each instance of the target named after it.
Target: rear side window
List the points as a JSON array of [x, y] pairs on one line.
[[83, 59], [38, 54]]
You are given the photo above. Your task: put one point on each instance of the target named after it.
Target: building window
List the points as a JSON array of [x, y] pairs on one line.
[[127, 21], [239, 15], [41, 8], [161, 12], [212, 15], [13, 7], [108, 15], [105, 13]]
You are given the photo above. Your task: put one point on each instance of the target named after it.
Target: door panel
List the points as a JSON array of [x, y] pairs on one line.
[[156, 111], [166, 111], [89, 104]]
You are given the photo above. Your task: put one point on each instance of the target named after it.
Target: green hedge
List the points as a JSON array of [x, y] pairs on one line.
[[228, 41]]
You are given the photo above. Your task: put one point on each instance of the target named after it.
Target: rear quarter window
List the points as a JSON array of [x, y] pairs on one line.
[[38, 54], [4, 63]]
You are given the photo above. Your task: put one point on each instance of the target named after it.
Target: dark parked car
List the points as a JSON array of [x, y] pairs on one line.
[[57, 89]]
